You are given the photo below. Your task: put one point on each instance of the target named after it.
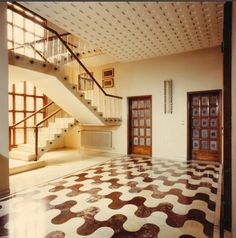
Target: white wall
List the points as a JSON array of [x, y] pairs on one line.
[[234, 121], [193, 71], [4, 154]]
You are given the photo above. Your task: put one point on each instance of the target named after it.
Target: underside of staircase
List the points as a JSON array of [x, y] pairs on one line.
[[80, 108]]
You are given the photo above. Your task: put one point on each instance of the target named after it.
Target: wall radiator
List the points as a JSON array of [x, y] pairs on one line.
[[97, 139]]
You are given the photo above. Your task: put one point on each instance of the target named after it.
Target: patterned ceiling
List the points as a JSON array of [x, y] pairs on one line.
[[131, 31]]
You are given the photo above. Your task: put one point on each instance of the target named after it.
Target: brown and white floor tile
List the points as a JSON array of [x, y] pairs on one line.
[[123, 198]]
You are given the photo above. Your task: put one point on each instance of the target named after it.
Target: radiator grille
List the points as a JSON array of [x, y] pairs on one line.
[[98, 139]]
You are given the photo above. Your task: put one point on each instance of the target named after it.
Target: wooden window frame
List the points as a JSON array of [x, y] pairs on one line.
[[31, 16], [24, 111]]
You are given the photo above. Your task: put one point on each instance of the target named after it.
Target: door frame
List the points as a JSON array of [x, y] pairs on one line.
[[227, 89], [129, 144], [189, 94]]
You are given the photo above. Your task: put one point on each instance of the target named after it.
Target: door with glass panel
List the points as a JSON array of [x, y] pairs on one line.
[[204, 125], [140, 125]]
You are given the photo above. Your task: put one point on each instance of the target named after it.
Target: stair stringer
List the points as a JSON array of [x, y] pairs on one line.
[[49, 144]]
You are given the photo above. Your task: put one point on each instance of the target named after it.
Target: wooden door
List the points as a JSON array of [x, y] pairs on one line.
[[204, 125], [140, 125]]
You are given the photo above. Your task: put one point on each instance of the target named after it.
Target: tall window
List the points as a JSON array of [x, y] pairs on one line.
[[24, 99], [23, 27]]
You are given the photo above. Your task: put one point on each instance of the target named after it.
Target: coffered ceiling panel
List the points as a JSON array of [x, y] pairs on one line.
[[131, 31]]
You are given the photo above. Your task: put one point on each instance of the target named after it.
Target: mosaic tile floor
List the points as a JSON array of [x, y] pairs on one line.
[[122, 198]]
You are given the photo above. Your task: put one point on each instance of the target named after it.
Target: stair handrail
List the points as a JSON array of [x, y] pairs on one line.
[[81, 64], [77, 59], [67, 47], [25, 119], [48, 117], [36, 129]]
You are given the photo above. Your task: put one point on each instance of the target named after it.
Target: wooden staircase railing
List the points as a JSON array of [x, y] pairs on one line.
[[14, 126], [35, 127]]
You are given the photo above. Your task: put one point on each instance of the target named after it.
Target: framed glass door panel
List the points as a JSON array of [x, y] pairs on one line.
[[140, 125], [204, 120]]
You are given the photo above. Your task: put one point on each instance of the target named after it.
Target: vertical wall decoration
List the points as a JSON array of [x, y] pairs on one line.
[[168, 96]]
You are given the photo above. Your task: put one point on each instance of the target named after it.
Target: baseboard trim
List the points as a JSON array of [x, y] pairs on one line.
[[4, 193]]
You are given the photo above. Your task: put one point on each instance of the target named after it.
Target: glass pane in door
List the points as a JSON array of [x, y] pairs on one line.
[[204, 132]]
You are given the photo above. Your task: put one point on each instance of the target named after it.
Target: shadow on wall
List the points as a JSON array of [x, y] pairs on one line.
[[4, 176]]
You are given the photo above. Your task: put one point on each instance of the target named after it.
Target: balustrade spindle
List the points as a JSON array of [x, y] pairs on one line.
[[112, 107], [58, 53], [103, 104], [118, 108], [93, 97], [46, 46], [71, 72], [53, 48], [36, 142], [34, 44], [99, 101], [106, 107]]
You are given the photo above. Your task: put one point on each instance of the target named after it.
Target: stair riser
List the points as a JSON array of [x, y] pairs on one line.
[[26, 148], [40, 142], [65, 119], [49, 130], [59, 125], [14, 155]]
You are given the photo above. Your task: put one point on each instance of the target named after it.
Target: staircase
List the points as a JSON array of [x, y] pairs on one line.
[[48, 137], [52, 56], [54, 83], [93, 108]]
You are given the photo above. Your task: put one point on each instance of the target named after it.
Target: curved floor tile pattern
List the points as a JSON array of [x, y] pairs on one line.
[[123, 198]]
